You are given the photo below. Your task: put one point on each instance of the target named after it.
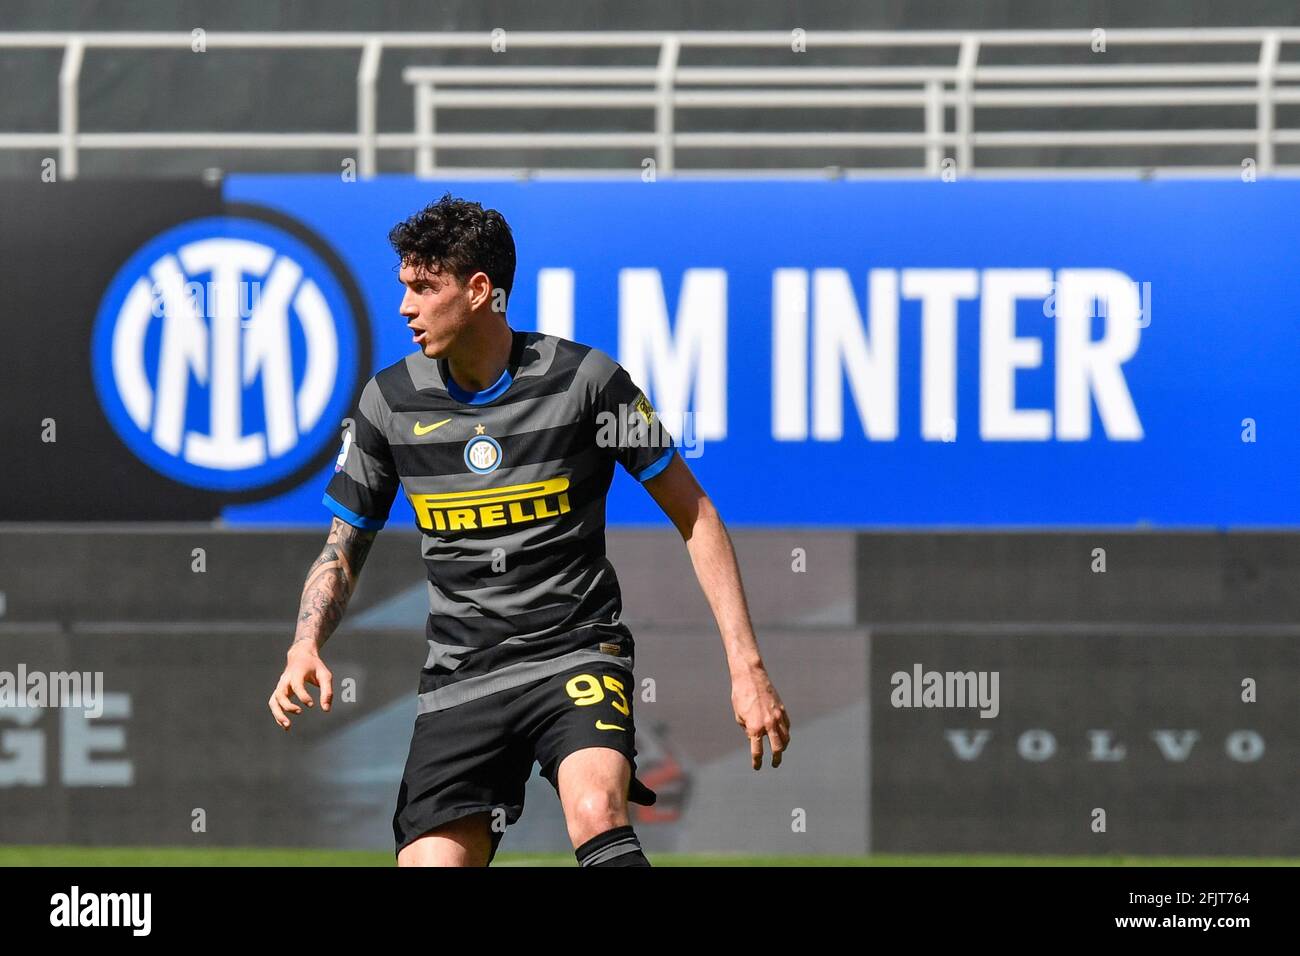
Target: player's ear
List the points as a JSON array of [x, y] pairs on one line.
[[479, 287]]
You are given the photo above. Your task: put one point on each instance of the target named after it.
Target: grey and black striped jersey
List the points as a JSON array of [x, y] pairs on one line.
[[508, 486]]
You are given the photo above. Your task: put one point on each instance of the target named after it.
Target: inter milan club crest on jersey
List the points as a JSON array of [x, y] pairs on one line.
[[227, 352], [482, 454]]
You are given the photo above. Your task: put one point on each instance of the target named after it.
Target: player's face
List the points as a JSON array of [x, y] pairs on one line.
[[436, 307]]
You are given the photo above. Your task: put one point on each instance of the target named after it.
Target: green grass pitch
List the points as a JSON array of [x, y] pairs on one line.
[[235, 856]]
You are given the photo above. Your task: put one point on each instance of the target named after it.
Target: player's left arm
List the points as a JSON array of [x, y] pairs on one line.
[[757, 705]]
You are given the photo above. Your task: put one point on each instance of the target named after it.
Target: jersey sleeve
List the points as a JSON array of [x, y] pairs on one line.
[[628, 427], [365, 479]]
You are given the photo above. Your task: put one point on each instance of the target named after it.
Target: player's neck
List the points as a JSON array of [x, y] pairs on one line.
[[479, 363]]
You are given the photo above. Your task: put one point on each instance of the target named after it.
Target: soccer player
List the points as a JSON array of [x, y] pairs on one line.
[[505, 442]]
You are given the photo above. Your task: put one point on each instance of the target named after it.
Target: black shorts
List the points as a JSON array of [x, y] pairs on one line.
[[477, 756]]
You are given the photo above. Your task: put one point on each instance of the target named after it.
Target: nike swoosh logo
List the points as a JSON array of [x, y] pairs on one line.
[[601, 725], [425, 429]]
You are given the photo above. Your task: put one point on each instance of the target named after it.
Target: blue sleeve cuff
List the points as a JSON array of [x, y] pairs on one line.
[[351, 517], [656, 466]]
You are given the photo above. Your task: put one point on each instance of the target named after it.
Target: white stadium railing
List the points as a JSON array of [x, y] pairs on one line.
[[926, 93]]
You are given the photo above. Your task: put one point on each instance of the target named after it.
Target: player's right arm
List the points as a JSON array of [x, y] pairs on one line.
[[360, 494], [330, 584]]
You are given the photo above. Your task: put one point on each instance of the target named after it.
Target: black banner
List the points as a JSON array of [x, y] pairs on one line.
[[1095, 742], [60, 245]]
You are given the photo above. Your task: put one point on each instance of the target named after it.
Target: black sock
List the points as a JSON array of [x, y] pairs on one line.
[[616, 847]]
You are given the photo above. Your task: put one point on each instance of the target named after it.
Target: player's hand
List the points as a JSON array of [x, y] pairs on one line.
[[304, 667], [759, 710]]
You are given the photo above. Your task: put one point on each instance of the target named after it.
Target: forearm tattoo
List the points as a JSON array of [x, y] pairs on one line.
[[331, 581]]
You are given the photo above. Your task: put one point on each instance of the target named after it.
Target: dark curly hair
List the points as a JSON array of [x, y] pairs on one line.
[[460, 238]]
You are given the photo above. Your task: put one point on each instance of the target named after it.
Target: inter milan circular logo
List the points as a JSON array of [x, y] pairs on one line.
[[482, 454], [227, 350]]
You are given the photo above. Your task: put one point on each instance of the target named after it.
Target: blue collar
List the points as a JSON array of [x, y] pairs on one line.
[[488, 394]]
